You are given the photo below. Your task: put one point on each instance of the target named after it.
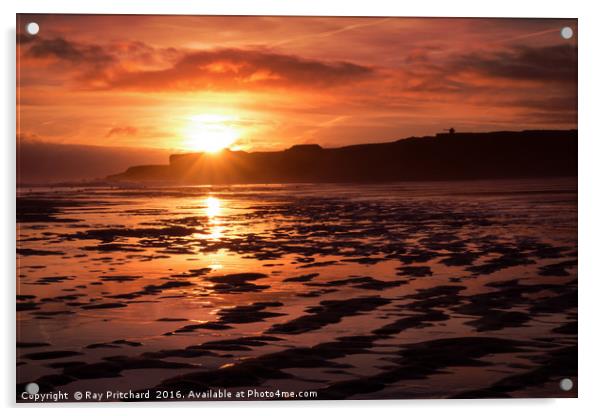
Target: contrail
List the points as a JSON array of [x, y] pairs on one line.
[[530, 35], [332, 32]]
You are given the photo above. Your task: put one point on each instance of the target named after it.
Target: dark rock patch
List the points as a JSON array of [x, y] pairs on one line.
[[194, 272], [302, 278], [495, 320], [119, 279], [415, 271], [415, 321], [500, 263], [237, 344], [237, 283], [32, 252], [105, 305], [50, 355], [328, 312], [26, 306], [557, 269], [32, 344]]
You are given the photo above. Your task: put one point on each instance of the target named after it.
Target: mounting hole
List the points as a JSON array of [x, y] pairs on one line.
[[566, 32], [566, 384], [32, 388], [32, 28]]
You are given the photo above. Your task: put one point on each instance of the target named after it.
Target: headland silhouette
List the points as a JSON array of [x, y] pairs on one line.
[[446, 156]]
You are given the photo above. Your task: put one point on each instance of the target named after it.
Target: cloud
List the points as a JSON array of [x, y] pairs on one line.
[[551, 103], [565, 118], [23, 39], [74, 53], [122, 131], [550, 63], [138, 66], [234, 69]]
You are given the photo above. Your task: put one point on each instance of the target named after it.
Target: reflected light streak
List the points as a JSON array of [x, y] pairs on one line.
[[213, 208]]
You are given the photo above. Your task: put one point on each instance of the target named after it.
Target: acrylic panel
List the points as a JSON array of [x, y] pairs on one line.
[[295, 208]]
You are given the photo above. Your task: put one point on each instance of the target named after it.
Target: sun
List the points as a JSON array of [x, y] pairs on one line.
[[210, 132]]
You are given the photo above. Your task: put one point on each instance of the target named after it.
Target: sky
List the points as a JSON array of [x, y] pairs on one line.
[[200, 83]]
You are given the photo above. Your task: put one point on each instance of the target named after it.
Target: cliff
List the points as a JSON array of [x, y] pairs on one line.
[[458, 156]]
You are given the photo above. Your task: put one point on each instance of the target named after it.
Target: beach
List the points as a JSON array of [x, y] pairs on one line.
[[353, 291]]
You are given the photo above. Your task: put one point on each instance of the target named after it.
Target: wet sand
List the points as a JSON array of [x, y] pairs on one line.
[[410, 290]]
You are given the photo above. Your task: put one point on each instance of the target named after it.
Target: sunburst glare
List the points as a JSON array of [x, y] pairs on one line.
[[210, 132]]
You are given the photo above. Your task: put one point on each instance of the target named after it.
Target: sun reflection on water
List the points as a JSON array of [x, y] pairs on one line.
[[213, 209]]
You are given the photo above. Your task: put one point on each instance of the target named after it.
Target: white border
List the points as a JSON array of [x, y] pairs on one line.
[[590, 202]]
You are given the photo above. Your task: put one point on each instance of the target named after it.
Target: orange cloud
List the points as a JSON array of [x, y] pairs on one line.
[[122, 131], [126, 66]]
